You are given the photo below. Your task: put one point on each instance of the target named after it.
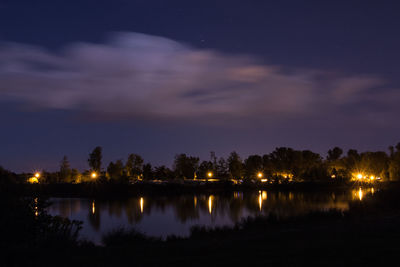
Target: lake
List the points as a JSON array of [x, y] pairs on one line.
[[174, 215]]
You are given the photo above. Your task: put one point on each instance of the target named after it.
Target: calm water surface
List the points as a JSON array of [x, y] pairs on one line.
[[175, 215]]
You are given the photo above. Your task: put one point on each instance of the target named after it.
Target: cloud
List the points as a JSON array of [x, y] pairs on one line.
[[144, 76]]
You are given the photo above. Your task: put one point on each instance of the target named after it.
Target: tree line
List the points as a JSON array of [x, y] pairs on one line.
[[281, 165]]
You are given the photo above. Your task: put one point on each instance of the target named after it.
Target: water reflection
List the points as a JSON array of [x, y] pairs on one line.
[[163, 216], [93, 207], [141, 205], [262, 195], [210, 200], [94, 220], [36, 206], [361, 193], [238, 195]]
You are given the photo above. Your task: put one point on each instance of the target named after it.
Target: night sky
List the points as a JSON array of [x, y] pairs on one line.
[[159, 78]]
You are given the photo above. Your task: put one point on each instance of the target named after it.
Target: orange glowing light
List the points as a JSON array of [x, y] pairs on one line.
[[33, 180], [360, 194], [210, 200], [264, 195], [141, 204], [93, 208]]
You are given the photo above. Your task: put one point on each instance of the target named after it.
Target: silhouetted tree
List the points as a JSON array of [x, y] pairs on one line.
[[7, 177], [253, 164], [352, 162], [95, 159], [163, 173], [134, 166], [213, 160], [391, 151], [204, 168], [235, 165], [285, 160], [148, 172], [334, 154], [115, 171], [268, 167], [49, 177], [222, 169], [310, 166], [394, 164], [280, 164], [65, 171], [185, 167], [76, 176]]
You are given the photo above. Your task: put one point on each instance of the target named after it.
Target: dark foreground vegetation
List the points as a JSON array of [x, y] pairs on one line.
[[367, 234]]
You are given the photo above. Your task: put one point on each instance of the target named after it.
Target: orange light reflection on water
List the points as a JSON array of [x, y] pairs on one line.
[[141, 205], [210, 200]]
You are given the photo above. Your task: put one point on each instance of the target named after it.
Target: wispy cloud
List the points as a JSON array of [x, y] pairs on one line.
[[146, 76]]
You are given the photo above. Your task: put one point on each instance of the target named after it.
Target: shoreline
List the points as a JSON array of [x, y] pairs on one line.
[[109, 190]]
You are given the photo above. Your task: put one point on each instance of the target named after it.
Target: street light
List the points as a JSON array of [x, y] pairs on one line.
[[260, 175], [209, 174], [37, 174], [94, 175]]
